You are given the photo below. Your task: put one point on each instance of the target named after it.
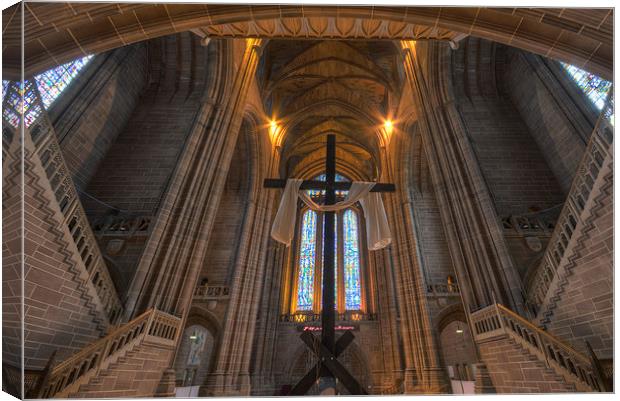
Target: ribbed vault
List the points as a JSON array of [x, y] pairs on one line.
[[315, 88]]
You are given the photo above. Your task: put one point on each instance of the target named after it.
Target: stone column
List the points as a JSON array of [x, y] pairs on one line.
[[480, 255], [231, 373], [175, 252], [423, 373]]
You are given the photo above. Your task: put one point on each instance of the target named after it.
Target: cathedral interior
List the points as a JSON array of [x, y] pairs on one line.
[[137, 251]]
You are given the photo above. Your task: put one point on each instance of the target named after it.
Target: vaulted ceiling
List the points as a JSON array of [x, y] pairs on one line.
[[315, 88], [57, 32]]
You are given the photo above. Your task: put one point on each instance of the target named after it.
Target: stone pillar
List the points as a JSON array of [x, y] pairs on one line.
[[480, 255], [169, 268], [231, 373], [423, 373], [174, 254]]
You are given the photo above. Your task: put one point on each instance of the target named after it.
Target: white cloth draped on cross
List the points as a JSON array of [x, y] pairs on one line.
[[377, 229]]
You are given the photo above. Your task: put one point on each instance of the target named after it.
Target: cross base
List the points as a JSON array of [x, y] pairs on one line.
[[328, 367]]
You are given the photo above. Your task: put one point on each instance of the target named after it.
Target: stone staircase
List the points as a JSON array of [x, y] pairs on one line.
[[128, 362], [520, 357], [545, 287]]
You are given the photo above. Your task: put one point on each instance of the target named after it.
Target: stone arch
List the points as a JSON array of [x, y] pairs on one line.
[[458, 352], [543, 33], [199, 316], [448, 315], [195, 355]]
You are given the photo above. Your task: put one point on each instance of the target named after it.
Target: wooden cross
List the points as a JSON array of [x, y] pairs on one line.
[[327, 349]]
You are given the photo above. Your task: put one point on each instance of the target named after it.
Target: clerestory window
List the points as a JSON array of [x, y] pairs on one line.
[[28, 99], [593, 86]]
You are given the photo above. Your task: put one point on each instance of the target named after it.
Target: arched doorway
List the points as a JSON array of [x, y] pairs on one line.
[[459, 356], [194, 357]]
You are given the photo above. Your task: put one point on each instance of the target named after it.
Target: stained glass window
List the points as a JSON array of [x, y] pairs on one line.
[[13, 106], [352, 283], [315, 193], [50, 85], [593, 86], [346, 227], [307, 252], [52, 82], [5, 86]]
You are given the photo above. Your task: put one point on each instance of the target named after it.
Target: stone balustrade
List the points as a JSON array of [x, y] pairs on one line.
[[443, 289], [596, 155], [539, 223], [496, 321], [348, 316], [153, 325], [210, 292], [60, 180], [129, 225]]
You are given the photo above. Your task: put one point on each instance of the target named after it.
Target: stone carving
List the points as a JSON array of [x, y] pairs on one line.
[[114, 246], [534, 243]]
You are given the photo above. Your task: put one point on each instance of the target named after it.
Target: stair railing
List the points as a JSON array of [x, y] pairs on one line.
[[598, 152], [496, 320], [152, 325], [62, 185]]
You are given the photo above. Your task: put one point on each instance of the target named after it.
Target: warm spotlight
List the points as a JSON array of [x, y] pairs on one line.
[[388, 125], [273, 131]]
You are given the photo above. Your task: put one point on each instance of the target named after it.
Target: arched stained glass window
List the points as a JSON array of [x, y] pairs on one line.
[[307, 253], [352, 274], [593, 86], [50, 84], [349, 270]]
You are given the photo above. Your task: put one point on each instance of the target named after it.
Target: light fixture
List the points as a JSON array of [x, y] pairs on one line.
[[193, 337], [273, 131], [388, 129], [459, 330]]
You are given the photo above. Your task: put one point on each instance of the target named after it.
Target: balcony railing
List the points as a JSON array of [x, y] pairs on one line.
[[540, 223], [210, 292], [348, 316], [129, 225], [443, 289]]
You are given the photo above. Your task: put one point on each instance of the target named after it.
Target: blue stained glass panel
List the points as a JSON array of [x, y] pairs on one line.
[[5, 86], [307, 252], [11, 117], [52, 82], [315, 193], [593, 86], [352, 283], [21, 99]]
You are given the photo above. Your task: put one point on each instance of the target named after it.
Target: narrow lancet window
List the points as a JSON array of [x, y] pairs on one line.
[[353, 287], [307, 253]]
